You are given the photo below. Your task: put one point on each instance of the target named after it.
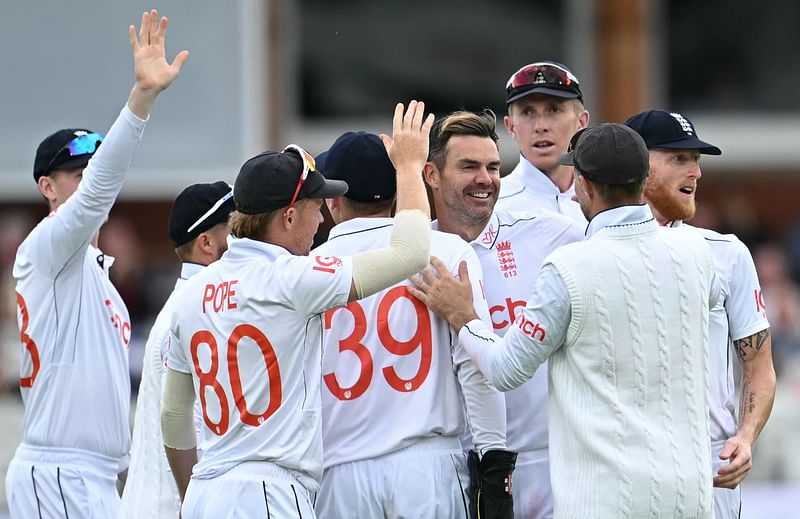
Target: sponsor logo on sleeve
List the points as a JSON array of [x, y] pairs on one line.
[[759, 296], [327, 264], [529, 328]]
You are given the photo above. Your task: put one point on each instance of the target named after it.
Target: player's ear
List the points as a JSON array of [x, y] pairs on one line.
[[46, 188], [289, 217], [508, 122], [431, 175]]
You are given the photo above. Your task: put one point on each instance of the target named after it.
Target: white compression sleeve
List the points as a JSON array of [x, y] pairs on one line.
[[177, 411], [407, 254]]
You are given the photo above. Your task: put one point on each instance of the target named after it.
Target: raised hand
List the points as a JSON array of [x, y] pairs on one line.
[[153, 72], [408, 146]]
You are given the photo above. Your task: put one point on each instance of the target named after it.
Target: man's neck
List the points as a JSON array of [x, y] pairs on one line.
[[661, 219], [467, 232], [561, 176]]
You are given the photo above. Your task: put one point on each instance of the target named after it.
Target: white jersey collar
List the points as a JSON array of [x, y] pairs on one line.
[[359, 224], [104, 261], [189, 269], [538, 182], [243, 248], [488, 236], [618, 216]]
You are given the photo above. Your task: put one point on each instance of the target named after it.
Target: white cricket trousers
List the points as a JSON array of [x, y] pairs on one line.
[[428, 479], [530, 486], [250, 489], [47, 483], [727, 502]]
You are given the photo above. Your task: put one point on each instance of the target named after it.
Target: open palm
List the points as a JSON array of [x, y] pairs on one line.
[[153, 72]]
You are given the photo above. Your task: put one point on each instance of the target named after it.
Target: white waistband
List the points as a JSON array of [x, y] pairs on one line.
[[86, 460], [266, 469], [437, 443]]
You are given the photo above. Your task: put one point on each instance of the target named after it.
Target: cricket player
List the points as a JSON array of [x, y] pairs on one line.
[[623, 317], [463, 174], [737, 324], [198, 228], [387, 358], [545, 109], [249, 328], [74, 326]]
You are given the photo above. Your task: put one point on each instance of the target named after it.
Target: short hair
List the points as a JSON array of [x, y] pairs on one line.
[[368, 208], [619, 194], [251, 225], [184, 250], [478, 124]]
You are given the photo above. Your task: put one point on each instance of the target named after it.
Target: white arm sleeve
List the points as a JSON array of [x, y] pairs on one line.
[[485, 405], [177, 411], [407, 254]]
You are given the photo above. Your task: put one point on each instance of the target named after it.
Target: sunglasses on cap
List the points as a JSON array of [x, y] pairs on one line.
[[309, 165], [227, 196], [80, 145], [541, 74]]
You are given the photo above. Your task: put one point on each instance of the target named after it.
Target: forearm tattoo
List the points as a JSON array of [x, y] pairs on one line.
[[747, 403], [749, 346]]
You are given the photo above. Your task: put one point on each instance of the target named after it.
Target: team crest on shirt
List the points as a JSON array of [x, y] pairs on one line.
[[505, 256], [327, 264]]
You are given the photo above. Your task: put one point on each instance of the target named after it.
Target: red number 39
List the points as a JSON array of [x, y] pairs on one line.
[[209, 378], [420, 340]]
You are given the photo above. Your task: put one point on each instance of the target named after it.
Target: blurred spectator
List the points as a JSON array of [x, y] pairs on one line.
[[782, 297]]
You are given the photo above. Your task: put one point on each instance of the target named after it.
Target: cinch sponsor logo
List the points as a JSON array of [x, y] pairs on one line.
[[530, 328], [506, 313]]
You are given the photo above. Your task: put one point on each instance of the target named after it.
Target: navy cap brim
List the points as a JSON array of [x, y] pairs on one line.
[[565, 159], [691, 143], [543, 90], [80, 161]]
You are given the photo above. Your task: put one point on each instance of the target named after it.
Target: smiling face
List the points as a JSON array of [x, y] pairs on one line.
[[466, 187], [671, 186], [543, 125]]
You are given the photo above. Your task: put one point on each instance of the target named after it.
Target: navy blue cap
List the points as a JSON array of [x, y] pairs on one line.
[[360, 159], [669, 130]]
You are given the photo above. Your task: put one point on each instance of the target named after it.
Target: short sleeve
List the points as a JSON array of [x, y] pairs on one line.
[[747, 312]]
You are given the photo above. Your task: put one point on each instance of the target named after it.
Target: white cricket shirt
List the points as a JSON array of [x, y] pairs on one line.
[[150, 489], [511, 250], [249, 330], [526, 188], [393, 373], [75, 329], [741, 313]]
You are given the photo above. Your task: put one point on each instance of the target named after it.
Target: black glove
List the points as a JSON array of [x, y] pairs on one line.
[[490, 484]]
